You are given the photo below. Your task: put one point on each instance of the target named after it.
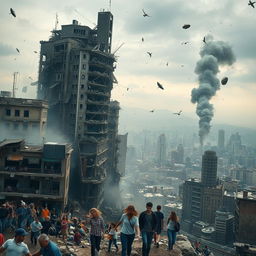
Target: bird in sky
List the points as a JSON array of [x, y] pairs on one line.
[[251, 3], [185, 42], [17, 50], [145, 14], [178, 113], [160, 86], [204, 40], [150, 54], [35, 51], [142, 39], [127, 89], [152, 111], [12, 12], [167, 63]]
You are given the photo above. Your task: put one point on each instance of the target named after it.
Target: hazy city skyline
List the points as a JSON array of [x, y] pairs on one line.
[[230, 21]]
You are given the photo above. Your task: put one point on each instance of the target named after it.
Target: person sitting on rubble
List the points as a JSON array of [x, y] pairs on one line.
[[48, 248], [206, 251], [112, 236], [46, 225], [64, 227], [77, 237]]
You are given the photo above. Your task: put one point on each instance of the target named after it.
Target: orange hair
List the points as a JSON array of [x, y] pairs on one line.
[[95, 211], [130, 211]]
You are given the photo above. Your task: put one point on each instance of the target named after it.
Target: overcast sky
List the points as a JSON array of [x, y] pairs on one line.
[[232, 21]]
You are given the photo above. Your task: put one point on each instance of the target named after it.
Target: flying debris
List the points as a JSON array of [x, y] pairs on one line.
[[35, 51], [178, 113], [127, 89], [167, 63], [160, 86], [30, 78], [145, 14], [185, 42], [213, 54], [17, 50], [204, 40], [224, 81], [142, 39], [150, 54], [251, 3], [34, 83], [12, 12], [186, 26], [182, 65], [152, 111]]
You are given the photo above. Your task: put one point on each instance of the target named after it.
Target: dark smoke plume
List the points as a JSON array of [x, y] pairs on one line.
[[213, 54]]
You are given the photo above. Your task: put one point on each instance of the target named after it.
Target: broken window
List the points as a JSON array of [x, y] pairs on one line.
[[8, 112], [26, 113], [17, 112]]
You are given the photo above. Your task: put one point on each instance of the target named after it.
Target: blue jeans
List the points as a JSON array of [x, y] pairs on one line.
[[171, 238], [146, 240], [127, 241], [95, 244], [110, 243]]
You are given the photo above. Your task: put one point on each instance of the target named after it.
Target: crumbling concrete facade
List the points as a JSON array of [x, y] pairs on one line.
[[76, 76], [35, 173], [23, 118]]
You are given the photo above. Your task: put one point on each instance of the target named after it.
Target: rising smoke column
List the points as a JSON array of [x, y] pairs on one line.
[[213, 54]]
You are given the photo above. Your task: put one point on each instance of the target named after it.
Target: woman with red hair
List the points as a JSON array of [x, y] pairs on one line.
[[130, 224]]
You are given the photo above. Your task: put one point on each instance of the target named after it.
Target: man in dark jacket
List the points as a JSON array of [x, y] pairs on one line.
[[147, 222]]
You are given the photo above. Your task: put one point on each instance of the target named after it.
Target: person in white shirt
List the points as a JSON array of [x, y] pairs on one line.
[[36, 228], [16, 246]]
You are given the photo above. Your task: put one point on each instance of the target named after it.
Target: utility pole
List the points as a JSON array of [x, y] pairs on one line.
[[15, 75]]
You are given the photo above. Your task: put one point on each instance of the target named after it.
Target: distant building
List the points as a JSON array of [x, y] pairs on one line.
[[192, 200], [245, 218], [221, 139], [209, 169], [122, 151], [23, 118], [224, 227], [5, 94], [35, 173], [161, 150], [212, 198]]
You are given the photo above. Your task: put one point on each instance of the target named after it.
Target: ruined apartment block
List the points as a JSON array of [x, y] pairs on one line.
[[23, 118], [76, 77], [38, 174]]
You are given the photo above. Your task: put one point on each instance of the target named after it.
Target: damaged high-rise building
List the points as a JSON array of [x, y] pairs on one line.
[[76, 77]]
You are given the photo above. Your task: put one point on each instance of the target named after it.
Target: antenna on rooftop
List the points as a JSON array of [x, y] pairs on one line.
[[56, 22], [110, 5]]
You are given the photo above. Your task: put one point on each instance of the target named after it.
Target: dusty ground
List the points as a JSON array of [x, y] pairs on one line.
[[79, 251]]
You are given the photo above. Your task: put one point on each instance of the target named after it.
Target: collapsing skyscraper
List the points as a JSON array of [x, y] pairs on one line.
[[76, 77]]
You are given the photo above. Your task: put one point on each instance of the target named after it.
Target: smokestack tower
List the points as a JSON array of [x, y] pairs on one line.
[[209, 169]]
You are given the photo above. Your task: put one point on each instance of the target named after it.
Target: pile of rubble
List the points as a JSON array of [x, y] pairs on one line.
[[182, 248]]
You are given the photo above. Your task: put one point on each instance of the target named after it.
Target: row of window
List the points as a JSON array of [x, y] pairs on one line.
[[17, 126], [17, 112]]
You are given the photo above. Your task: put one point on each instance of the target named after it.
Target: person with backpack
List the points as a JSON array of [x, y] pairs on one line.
[[173, 226], [130, 224], [148, 222]]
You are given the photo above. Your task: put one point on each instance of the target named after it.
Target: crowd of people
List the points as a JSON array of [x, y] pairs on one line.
[[43, 223]]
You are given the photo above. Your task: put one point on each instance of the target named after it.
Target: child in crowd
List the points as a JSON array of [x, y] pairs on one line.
[[77, 237], [112, 236]]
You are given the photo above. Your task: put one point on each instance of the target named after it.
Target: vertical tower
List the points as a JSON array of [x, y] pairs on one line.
[[221, 139], [104, 31], [161, 150], [209, 169]]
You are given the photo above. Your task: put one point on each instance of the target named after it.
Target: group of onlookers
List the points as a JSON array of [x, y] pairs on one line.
[[147, 226]]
